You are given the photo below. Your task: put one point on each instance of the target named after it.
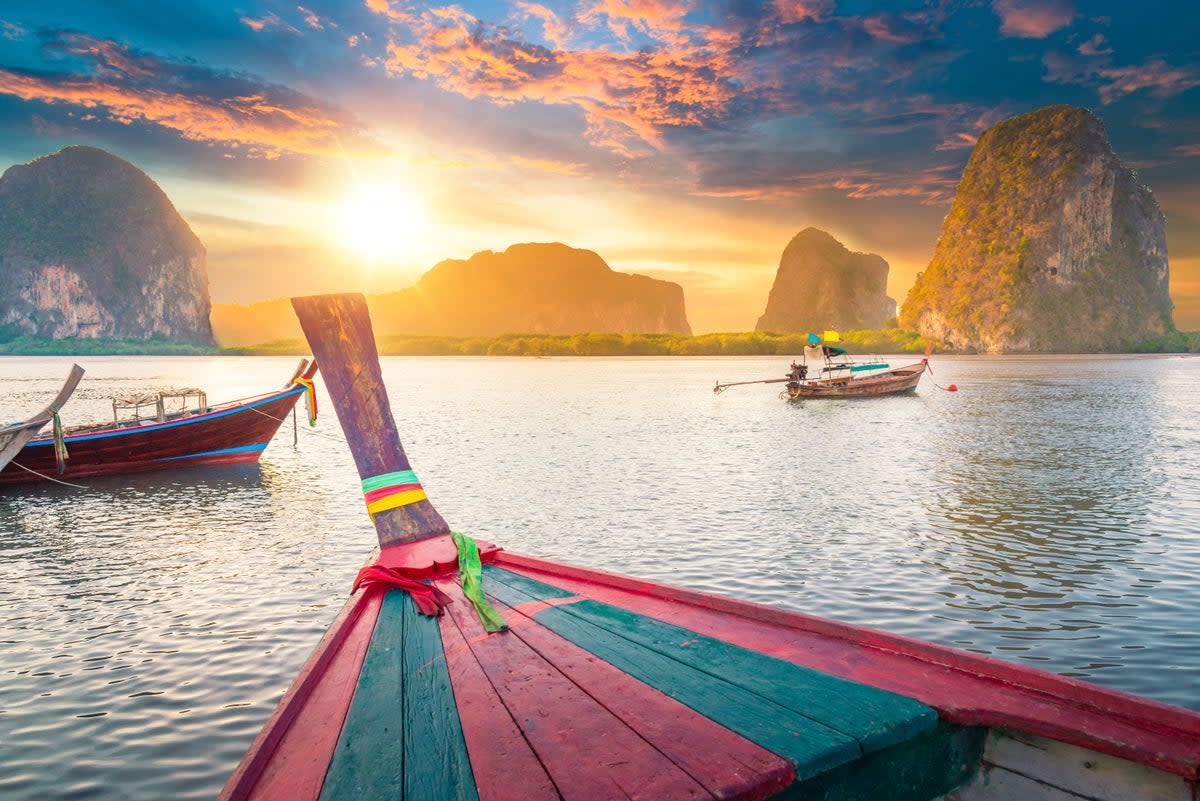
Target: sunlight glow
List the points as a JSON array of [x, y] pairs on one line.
[[382, 221]]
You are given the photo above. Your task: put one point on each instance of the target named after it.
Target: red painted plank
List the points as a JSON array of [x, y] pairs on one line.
[[727, 764], [428, 557], [589, 753], [965, 688], [505, 767], [287, 760]]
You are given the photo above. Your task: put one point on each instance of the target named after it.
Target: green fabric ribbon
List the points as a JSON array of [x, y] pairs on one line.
[[472, 582], [60, 445]]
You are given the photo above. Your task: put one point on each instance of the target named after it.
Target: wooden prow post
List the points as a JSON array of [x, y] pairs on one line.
[[338, 329]]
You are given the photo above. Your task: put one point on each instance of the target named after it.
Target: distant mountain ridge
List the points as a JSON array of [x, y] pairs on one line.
[[91, 247], [820, 284], [1051, 245], [536, 288]]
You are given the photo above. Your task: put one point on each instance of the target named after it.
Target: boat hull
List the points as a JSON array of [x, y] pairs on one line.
[[230, 435], [893, 382], [518, 712]]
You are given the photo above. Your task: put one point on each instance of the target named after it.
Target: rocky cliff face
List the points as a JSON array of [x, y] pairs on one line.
[[90, 247], [820, 284], [531, 289], [1051, 246]]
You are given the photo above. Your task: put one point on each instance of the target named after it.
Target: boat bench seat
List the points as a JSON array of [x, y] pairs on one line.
[[584, 700]]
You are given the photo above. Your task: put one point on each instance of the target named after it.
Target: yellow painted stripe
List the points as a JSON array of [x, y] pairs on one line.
[[395, 501]]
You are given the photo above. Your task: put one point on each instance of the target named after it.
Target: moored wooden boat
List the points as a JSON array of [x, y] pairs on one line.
[[226, 433], [459, 670], [14, 436], [889, 382]]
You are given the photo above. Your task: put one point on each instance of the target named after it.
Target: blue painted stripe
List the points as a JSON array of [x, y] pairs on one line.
[[240, 449], [124, 432]]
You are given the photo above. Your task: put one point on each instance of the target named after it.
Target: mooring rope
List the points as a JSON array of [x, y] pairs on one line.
[[48, 478], [310, 431]]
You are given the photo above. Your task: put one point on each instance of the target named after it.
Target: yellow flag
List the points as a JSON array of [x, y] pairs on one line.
[[831, 336]]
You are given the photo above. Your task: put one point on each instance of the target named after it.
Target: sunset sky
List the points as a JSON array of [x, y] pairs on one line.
[[351, 145]]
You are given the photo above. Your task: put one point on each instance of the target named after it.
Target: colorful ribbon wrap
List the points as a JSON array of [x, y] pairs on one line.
[[391, 491], [310, 397]]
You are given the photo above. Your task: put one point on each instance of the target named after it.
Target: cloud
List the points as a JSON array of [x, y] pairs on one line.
[[269, 22], [934, 185], [549, 165], [312, 19], [248, 118], [1096, 46], [1112, 83], [1033, 19], [12, 31], [627, 97], [790, 12]]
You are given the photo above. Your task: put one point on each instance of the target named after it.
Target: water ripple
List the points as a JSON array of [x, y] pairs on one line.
[[1043, 514]]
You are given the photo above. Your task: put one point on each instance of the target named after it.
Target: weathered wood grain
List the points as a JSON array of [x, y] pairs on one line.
[[875, 718], [965, 688], [436, 764], [401, 738], [505, 767], [812, 747], [728, 765], [1071, 771], [588, 752], [338, 329]]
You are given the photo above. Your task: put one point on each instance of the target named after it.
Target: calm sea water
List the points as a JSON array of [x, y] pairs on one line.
[[1047, 513]]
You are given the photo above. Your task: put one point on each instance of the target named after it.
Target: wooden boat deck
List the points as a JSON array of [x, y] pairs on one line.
[[607, 687]]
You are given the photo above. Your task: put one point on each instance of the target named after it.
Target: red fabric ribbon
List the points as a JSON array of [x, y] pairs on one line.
[[429, 600]]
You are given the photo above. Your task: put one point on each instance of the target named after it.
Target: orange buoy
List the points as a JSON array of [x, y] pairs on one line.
[[952, 388]]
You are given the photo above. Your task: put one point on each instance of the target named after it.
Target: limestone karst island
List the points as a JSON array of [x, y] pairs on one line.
[[1051, 245]]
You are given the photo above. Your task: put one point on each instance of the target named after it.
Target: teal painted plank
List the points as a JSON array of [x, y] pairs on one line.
[[813, 748], [927, 767], [436, 765], [373, 732], [402, 739], [875, 718], [531, 588]]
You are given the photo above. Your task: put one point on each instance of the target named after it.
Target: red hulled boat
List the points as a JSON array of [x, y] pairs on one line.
[[226, 433], [459, 671]]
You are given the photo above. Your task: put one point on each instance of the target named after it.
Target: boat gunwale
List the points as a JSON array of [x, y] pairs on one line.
[[1065, 692], [213, 412]]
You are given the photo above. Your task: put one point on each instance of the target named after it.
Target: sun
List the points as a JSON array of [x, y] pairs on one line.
[[381, 221]]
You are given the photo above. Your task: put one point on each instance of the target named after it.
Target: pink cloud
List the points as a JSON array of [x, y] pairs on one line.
[[792, 11], [933, 186], [627, 97], [554, 30], [1156, 76], [311, 19], [960, 141], [1033, 19], [268, 22], [1112, 83], [1095, 47], [126, 88]]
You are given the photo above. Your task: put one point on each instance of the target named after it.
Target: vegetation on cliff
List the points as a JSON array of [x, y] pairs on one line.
[[91, 247], [1051, 245]]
